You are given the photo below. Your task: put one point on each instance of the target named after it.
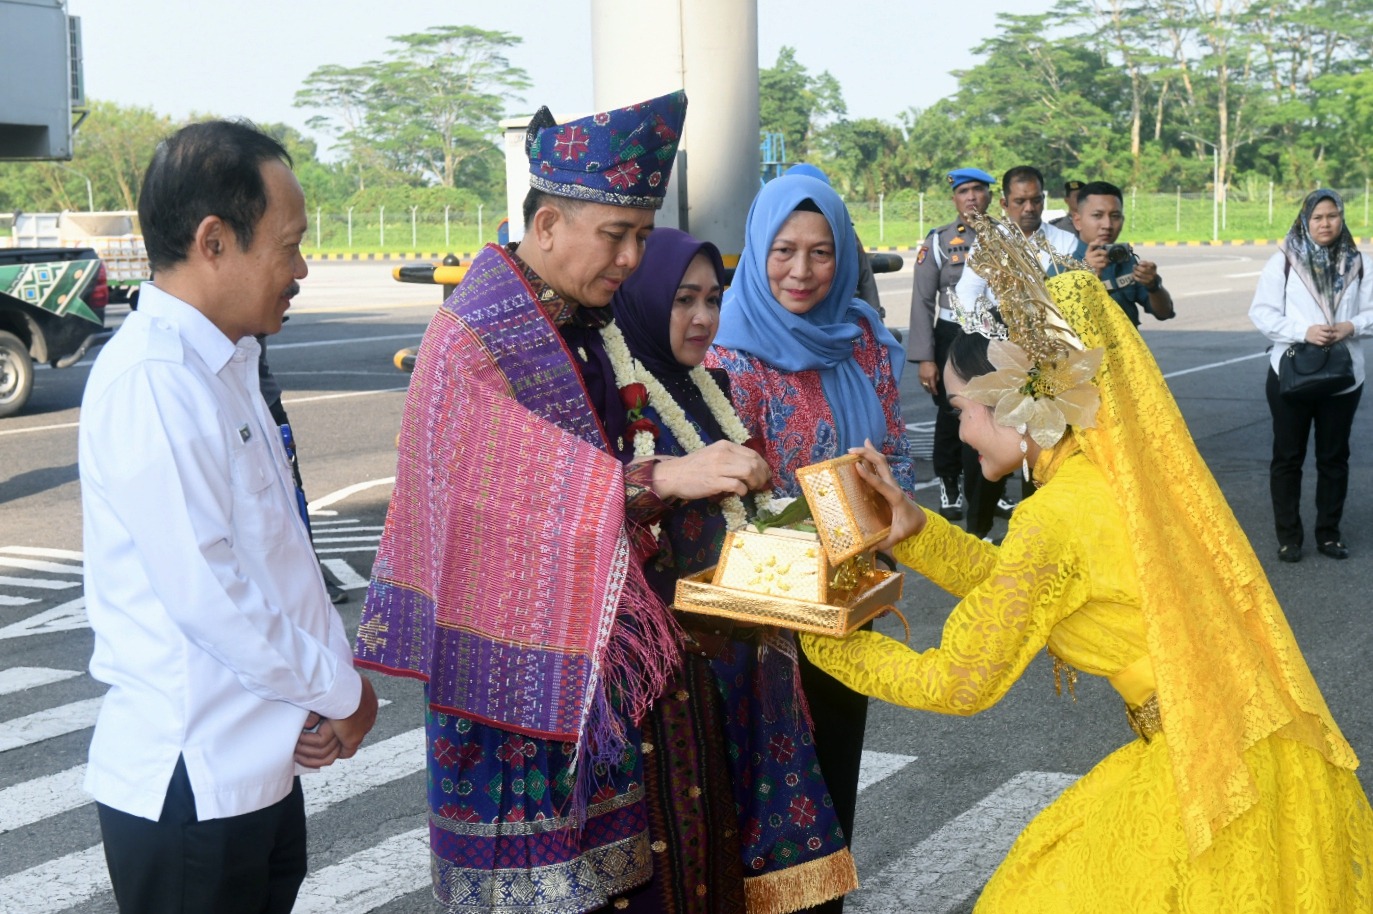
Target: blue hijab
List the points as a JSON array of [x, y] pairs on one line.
[[753, 321]]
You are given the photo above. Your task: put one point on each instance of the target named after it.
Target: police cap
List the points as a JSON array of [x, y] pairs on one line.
[[960, 176]]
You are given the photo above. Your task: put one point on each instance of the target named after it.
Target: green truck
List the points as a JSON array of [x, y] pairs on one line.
[[52, 310]]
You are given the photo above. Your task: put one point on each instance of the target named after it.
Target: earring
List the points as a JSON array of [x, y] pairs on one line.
[[1024, 452]]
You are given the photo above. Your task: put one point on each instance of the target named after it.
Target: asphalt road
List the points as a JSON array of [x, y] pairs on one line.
[[943, 797]]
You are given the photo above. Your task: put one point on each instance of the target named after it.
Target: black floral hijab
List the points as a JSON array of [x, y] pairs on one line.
[[1326, 269]]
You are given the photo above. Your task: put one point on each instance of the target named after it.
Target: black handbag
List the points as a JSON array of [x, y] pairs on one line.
[[1308, 371]]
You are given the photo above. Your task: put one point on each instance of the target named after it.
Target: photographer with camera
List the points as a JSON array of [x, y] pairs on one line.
[[1132, 282]]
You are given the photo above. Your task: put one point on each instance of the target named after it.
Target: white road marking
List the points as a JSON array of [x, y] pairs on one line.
[[67, 881], [45, 553], [1243, 358], [38, 428], [39, 799], [1244, 275], [343, 396], [276, 347], [878, 766], [16, 601], [945, 869], [19, 678], [374, 765], [70, 616], [38, 583], [37, 565], [48, 724], [333, 521], [341, 550], [368, 879], [56, 885], [347, 539], [1201, 292], [348, 579], [339, 495]]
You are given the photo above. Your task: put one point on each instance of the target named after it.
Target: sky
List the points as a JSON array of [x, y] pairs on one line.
[[248, 57]]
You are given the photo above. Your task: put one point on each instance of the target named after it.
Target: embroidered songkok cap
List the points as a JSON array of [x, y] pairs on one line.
[[960, 176], [622, 157]]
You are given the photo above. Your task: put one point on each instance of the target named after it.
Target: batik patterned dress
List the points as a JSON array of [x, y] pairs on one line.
[[734, 731], [788, 411]]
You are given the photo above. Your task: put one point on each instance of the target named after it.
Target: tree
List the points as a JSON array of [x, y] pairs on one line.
[[796, 104], [429, 111]]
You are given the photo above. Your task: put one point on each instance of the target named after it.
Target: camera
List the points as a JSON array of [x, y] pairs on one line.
[[1118, 253]]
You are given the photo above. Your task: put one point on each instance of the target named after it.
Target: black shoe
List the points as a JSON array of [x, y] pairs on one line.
[[1290, 553], [950, 499], [337, 594], [1335, 549], [1004, 509]]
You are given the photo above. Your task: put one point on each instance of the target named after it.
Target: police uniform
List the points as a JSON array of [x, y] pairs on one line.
[[1065, 221], [933, 327]]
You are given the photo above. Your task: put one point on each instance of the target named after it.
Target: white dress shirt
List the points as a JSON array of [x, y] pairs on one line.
[[212, 625], [1284, 308], [971, 286]]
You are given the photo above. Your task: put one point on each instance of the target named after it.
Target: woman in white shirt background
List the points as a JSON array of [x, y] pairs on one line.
[[1317, 289]]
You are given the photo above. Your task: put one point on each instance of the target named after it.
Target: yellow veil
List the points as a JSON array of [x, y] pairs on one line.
[[1228, 669]]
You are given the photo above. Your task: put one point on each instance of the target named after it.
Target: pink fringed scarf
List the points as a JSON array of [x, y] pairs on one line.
[[505, 577]]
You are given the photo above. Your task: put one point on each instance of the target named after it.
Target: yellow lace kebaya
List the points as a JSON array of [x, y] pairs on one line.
[[1239, 796]]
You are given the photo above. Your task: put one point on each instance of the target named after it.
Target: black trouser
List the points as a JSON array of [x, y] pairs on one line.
[[839, 716], [1292, 421], [248, 864], [948, 450]]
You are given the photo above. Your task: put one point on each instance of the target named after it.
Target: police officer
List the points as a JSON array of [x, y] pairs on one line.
[[938, 265], [1072, 191]]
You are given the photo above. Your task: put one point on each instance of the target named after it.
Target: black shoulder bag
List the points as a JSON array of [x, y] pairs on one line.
[[1308, 371]]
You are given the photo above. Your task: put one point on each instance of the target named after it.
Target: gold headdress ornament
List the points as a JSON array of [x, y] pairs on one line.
[[1043, 378]]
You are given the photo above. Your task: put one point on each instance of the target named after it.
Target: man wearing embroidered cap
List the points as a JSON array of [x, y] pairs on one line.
[[933, 326], [509, 574]]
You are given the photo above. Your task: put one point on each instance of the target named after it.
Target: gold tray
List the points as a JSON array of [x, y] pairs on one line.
[[696, 594]]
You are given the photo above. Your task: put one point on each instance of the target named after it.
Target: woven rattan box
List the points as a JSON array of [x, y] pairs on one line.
[[824, 582]]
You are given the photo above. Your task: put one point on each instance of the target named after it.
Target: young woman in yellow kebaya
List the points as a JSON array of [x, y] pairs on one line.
[[1239, 794]]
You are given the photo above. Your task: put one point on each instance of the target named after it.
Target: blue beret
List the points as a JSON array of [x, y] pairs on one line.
[[961, 176], [621, 158]]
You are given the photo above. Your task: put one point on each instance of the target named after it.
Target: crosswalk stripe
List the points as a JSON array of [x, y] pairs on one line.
[[941, 872], [56, 885], [7, 600], [70, 616], [38, 583], [348, 579], [19, 678], [36, 565], [371, 529], [32, 801], [38, 799], [333, 521], [387, 761], [369, 879], [878, 766], [48, 724], [67, 881], [43, 552], [340, 550], [376, 538]]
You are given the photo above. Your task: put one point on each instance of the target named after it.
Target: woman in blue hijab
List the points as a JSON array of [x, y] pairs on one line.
[[813, 372]]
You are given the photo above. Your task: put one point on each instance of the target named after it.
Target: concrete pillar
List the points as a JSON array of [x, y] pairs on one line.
[[710, 49]]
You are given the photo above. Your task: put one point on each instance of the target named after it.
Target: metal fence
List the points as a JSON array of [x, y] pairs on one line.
[[1248, 214]]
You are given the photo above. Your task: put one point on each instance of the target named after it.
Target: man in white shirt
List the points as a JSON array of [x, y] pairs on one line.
[[1022, 199], [228, 667]]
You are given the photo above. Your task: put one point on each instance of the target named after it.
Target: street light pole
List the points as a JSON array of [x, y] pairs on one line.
[[90, 195], [1215, 184]]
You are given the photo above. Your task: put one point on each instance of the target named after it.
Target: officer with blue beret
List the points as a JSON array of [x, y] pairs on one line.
[[933, 327]]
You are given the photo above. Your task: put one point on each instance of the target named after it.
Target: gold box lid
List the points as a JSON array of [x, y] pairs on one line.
[[849, 514]]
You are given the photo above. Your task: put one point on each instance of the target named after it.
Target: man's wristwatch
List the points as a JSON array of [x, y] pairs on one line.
[[1156, 284]]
